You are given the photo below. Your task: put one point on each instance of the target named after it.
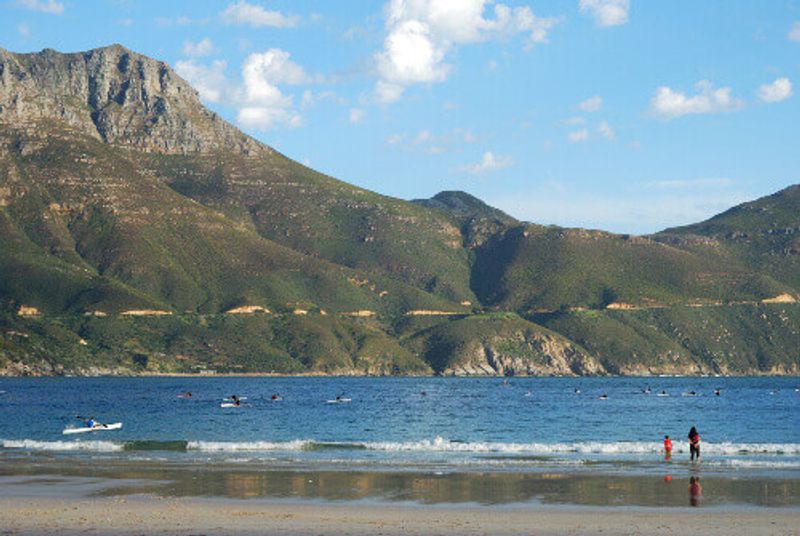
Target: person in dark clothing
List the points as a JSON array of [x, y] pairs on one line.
[[694, 444]]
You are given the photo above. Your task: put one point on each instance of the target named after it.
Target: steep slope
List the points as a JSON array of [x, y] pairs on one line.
[[133, 102], [764, 234]]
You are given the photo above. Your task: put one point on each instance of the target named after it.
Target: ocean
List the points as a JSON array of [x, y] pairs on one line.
[[399, 424]]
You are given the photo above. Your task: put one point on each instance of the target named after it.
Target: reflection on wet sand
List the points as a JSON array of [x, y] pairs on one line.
[[695, 491], [250, 482]]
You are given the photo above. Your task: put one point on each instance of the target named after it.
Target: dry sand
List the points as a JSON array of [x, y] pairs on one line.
[[162, 516]]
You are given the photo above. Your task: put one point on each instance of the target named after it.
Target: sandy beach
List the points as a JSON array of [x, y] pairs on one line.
[[161, 516]]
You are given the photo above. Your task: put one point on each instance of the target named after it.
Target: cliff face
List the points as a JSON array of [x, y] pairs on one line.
[[116, 95]]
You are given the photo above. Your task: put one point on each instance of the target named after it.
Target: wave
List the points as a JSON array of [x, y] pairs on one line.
[[437, 444], [31, 444]]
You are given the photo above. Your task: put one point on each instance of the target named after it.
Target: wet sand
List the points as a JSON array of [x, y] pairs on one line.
[[48, 496], [162, 516]]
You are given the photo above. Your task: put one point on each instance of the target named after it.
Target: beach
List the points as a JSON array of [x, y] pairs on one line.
[[162, 516]]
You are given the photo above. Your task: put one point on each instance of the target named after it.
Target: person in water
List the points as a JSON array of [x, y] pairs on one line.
[[667, 448], [695, 491], [694, 444]]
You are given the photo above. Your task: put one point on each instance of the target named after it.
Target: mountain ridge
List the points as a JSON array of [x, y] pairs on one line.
[[142, 233]]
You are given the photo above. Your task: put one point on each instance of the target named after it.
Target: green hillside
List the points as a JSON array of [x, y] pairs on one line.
[[140, 233]]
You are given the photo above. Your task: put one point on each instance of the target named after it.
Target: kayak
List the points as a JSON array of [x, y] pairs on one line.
[[95, 428], [339, 401]]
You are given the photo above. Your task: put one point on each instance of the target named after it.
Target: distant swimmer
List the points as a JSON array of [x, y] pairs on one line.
[[690, 393], [663, 393], [577, 391], [694, 444], [717, 391], [276, 397], [187, 394], [646, 390], [529, 393], [423, 393], [603, 397]]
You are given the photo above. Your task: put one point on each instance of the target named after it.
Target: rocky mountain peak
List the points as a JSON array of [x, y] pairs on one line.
[[119, 96]]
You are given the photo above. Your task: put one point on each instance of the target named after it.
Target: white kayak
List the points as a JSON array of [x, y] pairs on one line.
[[95, 428], [230, 405], [339, 401]]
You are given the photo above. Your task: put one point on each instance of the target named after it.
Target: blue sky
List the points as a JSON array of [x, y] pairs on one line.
[[629, 116]]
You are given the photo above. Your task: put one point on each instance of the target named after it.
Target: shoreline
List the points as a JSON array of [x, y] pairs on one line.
[[147, 515]]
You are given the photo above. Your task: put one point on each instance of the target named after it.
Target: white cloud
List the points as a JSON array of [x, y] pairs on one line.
[[265, 105], [794, 33], [423, 136], [420, 33], [23, 29], [183, 20], [126, 22], [199, 49], [308, 99], [44, 6], [491, 65], [576, 120], [432, 143], [592, 104], [256, 16], [260, 101], [209, 81], [780, 89], [578, 135], [356, 115], [605, 130], [489, 163], [606, 12], [669, 103]]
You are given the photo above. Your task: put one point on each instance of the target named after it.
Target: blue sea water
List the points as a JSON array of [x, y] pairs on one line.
[[450, 424]]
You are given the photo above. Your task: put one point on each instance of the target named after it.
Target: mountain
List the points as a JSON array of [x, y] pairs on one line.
[[141, 233]]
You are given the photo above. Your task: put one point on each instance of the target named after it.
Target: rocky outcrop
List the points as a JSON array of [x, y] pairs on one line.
[[504, 346], [522, 355], [117, 95]]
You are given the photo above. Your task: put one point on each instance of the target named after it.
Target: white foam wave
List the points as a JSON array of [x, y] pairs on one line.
[[437, 444], [440, 444], [30, 444], [754, 464], [248, 446]]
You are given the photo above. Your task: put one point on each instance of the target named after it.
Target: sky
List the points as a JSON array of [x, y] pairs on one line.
[[625, 115]]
